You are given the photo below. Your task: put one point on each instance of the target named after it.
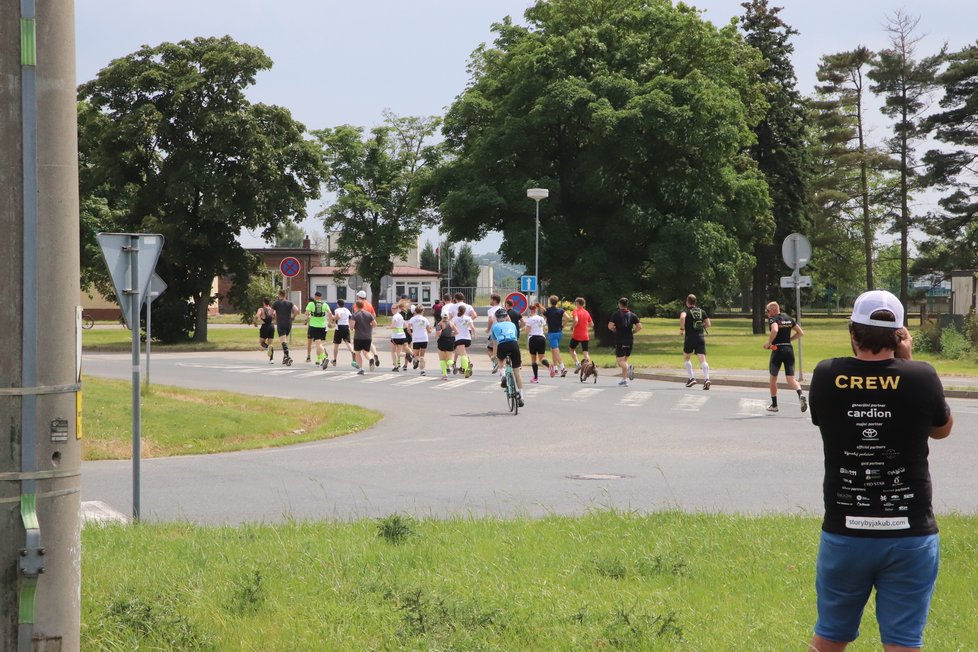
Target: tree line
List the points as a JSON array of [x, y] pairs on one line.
[[678, 156]]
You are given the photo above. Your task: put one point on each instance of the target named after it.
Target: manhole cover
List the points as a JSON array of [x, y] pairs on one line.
[[596, 476]]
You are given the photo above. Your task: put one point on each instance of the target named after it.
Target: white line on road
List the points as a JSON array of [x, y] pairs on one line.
[[584, 394], [95, 511], [413, 381], [455, 384], [691, 403], [635, 399], [380, 378], [751, 407]]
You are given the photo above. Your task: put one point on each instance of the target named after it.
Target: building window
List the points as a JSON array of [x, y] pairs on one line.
[[426, 294], [341, 292]]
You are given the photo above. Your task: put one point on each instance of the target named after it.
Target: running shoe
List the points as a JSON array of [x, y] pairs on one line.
[[772, 408], [360, 372], [706, 385], [553, 372], [416, 363], [690, 382], [373, 363], [623, 383], [354, 364], [631, 372], [333, 363], [324, 364], [409, 357], [308, 359], [376, 361], [577, 367], [519, 401], [468, 372], [397, 367], [534, 380], [423, 373], [502, 383], [804, 403], [444, 377], [563, 372], [454, 370], [404, 368], [271, 355]]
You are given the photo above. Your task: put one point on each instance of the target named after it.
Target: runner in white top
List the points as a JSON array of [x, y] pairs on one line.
[[398, 337], [463, 338], [494, 301], [535, 326], [459, 299], [451, 309], [341, 317], [419, 327]]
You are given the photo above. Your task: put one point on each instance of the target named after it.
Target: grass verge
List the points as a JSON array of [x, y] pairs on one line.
[[604, 581], [178, 421]]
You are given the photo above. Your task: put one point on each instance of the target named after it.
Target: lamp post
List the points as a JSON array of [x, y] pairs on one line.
[[536, 194]]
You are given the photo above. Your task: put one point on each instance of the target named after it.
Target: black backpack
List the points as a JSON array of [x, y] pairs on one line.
[[697, 316], [317, 310]]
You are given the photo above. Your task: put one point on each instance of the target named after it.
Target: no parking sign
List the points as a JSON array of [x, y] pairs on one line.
[[290, 266], [519, 300]]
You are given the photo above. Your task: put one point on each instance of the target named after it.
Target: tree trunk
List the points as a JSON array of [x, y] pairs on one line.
[[864, 190], [201, 302], [759, 292]]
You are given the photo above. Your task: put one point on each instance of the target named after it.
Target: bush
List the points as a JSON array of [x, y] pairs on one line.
[[927, 339], [954, 345]]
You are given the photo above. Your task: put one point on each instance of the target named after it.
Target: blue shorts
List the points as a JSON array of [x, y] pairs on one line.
[[903, 571], [553, 339]]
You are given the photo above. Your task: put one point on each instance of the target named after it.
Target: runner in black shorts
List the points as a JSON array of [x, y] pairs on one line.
[[624, 324], [693, 322], [266, 332], [784, 330], [445, 331]]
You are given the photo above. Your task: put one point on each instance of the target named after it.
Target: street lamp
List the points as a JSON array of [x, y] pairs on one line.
[[536, 194]]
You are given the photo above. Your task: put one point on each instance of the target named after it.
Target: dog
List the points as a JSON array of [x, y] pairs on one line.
[[588, 370]]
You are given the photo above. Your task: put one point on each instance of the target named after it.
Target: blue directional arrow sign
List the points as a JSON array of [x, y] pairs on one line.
[[528, 284]]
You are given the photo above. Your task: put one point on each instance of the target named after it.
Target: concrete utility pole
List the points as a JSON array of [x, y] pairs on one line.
[[40, 460]]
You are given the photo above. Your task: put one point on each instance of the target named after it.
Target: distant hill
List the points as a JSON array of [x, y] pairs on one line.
[[500, 269]]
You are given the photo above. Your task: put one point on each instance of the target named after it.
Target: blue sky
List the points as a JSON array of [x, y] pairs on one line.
[[342, 62]]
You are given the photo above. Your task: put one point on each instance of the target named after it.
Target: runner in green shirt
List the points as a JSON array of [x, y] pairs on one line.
[[318, 312]]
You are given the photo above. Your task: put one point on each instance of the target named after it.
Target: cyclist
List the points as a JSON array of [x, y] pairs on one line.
[[505, 336]]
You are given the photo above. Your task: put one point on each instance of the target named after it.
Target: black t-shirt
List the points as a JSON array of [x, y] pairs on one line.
[[875, 417], [516, 318], [624, 321], [690, 331], [555, 319], [283, 311], [785, 324]]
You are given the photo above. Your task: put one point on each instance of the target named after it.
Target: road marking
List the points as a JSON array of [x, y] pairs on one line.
[[413, 381], [535, 390], [455, 384], [691, 403], [635, 399], [491, 386], [340, 375], [250, 370], [584, 394], [751, 407], [310, 374], [380, 378], [280, 372], [95, 511]]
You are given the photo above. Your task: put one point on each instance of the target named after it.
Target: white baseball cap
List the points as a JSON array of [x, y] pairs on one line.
[[361, 294], [869, 302]]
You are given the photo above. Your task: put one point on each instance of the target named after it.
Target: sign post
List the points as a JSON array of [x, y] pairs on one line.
[[131, 259], [156, 287], [796, 251]]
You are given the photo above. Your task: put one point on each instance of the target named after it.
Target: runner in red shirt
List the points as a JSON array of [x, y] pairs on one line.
[[580, 335]]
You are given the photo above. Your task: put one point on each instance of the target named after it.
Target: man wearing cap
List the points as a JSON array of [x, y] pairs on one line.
[[362, 296], [784, 330], [876, 412]]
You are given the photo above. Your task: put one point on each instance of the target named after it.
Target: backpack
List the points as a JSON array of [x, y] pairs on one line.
[[696, 314], [318, 309]]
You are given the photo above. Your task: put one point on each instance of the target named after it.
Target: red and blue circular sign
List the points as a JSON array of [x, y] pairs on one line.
[[290, 266], [520, 302]]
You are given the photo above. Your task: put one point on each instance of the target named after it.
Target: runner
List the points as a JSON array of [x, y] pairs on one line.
[[515, 317], [398, 337], [556, 320], [407, 312], [464, 327], [363, 332], [505, 335], [580, 335], [784, 329], [285, 312], [362, 296], [450, 308], [266, 333], [445, 330], [494, 301], [419, 327], [342, 332], [319, 316], [536, 342], [624, 324], [693, 322]]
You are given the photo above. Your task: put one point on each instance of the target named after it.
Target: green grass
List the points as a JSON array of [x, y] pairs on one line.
[[605, 581], [179, 421]]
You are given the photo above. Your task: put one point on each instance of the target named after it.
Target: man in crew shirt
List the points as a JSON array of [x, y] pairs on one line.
[[693, 322], [624, 324], [784, 330], [876, 412], [504, 334], [285, 312]]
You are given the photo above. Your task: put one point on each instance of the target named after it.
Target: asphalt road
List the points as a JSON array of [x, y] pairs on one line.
[[452, 449]]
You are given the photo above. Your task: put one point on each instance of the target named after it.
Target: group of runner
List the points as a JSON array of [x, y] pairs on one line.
[[454, 331]]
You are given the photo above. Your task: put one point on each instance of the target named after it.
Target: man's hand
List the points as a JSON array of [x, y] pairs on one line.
[[904, 348]]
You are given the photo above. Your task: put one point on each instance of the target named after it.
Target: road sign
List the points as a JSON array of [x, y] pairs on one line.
[[519, 300], [355, 282], [796, 251], [157, 286], [116, 250], [528, 283], [290, 266], [800, 281], [385, 284]]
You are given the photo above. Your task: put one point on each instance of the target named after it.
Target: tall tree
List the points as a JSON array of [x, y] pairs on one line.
[[374, 179], [289, 235], [954, 231], [853, 163], [171, 144], [465, 271], [427, 258], [635, 115], [905, 84], [779, 148]]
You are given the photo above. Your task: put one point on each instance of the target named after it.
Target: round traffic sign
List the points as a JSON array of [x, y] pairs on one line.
[[355, 282], [290, 266], [796, 251], [519, 300]]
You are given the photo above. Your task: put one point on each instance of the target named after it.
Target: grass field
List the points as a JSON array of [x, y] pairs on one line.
[[179, 421], [730, 345], [605, 581]]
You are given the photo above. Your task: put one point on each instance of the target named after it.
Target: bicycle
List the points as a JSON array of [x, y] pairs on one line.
[[512, 397]]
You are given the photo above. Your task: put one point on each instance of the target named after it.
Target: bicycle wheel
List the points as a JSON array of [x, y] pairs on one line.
[[87, 322], [511, 394]]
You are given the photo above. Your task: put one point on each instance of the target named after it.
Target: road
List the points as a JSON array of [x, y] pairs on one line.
[[451, 449]]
